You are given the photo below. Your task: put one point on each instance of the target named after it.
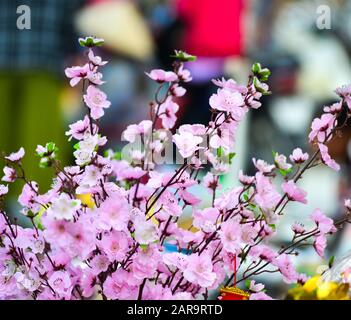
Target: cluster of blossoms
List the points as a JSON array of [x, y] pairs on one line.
[[106, 226]]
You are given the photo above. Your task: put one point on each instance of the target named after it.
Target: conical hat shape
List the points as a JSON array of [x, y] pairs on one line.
[[121, 25]]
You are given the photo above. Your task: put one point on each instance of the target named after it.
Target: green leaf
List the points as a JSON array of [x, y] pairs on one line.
[[273, 227], [144, 246], [256, 68], [331, 261], [183, 56], [91, 42], [76, 146], [220, 152], [247, 284], [231, 157]]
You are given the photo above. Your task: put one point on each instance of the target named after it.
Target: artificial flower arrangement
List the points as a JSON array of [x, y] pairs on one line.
[[102, 230]]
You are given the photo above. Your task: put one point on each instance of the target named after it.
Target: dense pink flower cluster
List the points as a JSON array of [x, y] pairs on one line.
[[106, 226]]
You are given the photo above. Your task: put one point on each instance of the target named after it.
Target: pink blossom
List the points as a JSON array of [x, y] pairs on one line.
[[260, 296], [206, 219], [263, 166], [347, 204], [285, 266], [319, 244], [178, 91], [331, 163], [175, 259], [187, 143], [321, 128], [263, 252], [298, 228], [231, 236], [293, 192], [230, 85], [79, 129], [229, 101], [97, 101], [162, 76], [60, 282], [345, 93], [266, 197], [10, 174], [96, 60], [246, 180], [3, 190], [334, 108], [28, 195], [115, 245], [16, 156], [325, 224], [135, 130], [200, 270], [184, 74], [298, 156], [255, 287], [280, 161], [167, 113], [77, 73], [121, 286], [114, 213]]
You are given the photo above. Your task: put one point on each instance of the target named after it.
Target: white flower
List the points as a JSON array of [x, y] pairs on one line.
[[64, 207]]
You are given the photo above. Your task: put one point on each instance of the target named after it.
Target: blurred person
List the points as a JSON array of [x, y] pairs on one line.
[[31, 61], [213, 31]]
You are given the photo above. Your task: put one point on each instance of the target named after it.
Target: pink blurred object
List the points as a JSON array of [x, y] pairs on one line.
[[213, 28]]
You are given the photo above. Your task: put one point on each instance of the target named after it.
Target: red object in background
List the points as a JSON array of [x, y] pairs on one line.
[[232, 293], [213, 27]]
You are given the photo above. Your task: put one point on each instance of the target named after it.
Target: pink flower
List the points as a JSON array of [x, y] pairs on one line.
[[246, 180], [280, 161], [175, 259], [263, 252], [263, 166], [3, 190], [293, 192], [114, 213], [162, 76], [298, 156], [321, 127], [10, 174], [96, 60], [255, 287], [115, 245], [229, 101], [28, 195], [60, 282], [266, 197], [326, 158], [184, 74], [79, 129], [286, 268], [345, 93], [167, 113], [319, 244], [260, 296], [121, 285], [231, 236], [230, 85], [347, 204], [325, 224], [97, 101], [16, 156], [77, 73], [298, 228], [187, 143], [200, 270], [178, 91], [206, 219], [136, 130], [334, 108]]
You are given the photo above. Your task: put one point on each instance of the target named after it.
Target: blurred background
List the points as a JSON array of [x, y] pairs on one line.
[[307, 64]]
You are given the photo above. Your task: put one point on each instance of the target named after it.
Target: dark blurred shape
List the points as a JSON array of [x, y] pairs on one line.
[[31, 63]]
